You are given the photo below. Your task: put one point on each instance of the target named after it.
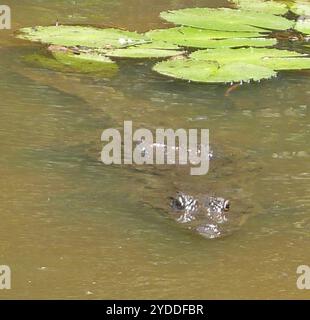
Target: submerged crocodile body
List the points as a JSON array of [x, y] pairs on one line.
[[205, 214], [148, 151]]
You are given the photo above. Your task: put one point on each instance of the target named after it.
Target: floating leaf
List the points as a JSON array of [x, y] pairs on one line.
[[301, 8], [158, 44], [86, 58], [90, 37], [212, 72], [102, 66], [272, 58], [303, 25], [270, 7], [196, 38], [239, 42], [142, 53], [88, 49], [187, 69], [226, 19], [157, 49], [42, 61], [287, 63], [243, 54]]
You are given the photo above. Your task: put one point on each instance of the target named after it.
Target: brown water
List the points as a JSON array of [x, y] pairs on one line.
[[74, 228]]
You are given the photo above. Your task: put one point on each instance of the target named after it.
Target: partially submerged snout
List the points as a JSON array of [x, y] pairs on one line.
[[184, 202], [203, 213]]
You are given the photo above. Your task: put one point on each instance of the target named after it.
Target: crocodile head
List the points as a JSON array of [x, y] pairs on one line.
[[185, 202], [207, 212]]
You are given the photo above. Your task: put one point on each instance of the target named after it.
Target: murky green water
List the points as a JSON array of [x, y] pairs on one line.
[[74, 228]]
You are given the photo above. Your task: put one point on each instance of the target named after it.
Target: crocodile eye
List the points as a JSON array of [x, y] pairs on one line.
[[178, 203], [226, 205]]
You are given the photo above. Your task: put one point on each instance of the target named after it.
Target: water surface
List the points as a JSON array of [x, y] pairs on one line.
[[74, 228]]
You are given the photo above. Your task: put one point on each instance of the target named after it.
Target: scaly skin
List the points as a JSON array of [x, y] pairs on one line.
[[205, 214]]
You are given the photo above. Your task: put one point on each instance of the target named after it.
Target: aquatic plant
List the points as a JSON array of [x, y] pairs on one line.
[[300, 7], [303, 26], [203, 38], [270, 7], [227, 19], [234, 40], [69, 62], [233, 65], [89, 37]]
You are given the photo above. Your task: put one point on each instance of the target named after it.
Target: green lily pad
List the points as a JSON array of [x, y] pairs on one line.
[[287, 63], [301, 8], [303, 26], [198, 38], [271, 7], [90, 37], [249, 55], [239, 42], [158, 44], [212, 72], [82, 58], [272, 58], [155, 49], [88, 50], [142, 53], [233, 65], [227, 19], [45, 62], [68, 62]]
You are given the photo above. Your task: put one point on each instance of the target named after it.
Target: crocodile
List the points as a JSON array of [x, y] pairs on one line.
[[205, 214]]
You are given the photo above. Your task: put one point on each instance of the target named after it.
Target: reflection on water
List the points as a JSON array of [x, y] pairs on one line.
[[74, 228]]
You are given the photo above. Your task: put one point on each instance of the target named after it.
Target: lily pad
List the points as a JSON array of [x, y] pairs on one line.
[[158, 44], [156, 49], [84, 58], [287, 63], [249, 55], [236, 40], [197, 38], [271, 7], [45, 62], [227, 19], [301, 8], [68, 62], [303, 26], [142, 53], [239, 42], [212, 72], [272, 58], [90, 37]]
